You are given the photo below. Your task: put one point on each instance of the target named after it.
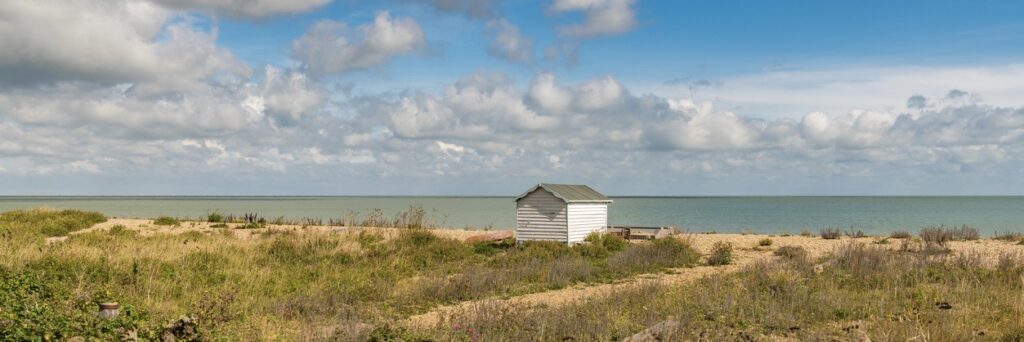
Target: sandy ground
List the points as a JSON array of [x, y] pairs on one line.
[[745, 252]]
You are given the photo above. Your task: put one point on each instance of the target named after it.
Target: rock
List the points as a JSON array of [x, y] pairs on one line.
[[492, 236], [663, 331], [184, 329]]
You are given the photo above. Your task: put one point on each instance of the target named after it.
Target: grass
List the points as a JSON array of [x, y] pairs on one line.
[[283, 285], [48, 222], [859, 293], [355, 285]]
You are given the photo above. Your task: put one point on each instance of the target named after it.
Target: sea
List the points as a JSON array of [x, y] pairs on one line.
[[769, 215]]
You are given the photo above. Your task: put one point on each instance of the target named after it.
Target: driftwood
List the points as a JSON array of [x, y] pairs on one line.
[[492, 236]]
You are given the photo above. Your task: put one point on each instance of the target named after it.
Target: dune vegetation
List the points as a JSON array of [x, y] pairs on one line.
[[277, 285], [365, 284]]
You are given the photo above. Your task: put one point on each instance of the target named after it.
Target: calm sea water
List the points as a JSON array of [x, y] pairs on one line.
[[876, 215]]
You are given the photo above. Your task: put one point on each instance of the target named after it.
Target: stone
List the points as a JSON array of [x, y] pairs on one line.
[[658, 332]]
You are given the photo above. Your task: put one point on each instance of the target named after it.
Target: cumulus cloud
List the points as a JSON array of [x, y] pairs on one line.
[[332, 47], [246, 8], [107, 43], [601, 17]]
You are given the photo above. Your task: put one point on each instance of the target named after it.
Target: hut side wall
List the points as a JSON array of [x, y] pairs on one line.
[[585, 218], [541, 216]]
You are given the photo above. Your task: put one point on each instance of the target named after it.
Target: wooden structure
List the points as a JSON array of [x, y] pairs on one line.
[[560, 212]]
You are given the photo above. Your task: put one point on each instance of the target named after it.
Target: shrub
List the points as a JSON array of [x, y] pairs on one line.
[[791, 252], [166, 221], [964, 233], [765, 242], [855, 234], [934, 235], [653, 256], [806, 233], [219, 225], [900, 234], [830, 233], [721, 254], [1008, 236], [51, 222], [214, 217]]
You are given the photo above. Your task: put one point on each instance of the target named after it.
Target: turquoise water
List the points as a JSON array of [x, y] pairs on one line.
[[874, 215]]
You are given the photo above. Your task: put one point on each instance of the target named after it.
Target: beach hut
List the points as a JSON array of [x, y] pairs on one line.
[[560, 212]]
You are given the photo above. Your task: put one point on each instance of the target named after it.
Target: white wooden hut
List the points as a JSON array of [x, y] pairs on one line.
[[560, 212]]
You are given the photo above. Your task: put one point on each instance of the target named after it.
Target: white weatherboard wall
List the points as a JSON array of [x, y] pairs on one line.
[[541, 216], [586, 218]]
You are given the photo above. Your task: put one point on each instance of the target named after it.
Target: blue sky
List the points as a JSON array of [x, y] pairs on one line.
[[182, 97]]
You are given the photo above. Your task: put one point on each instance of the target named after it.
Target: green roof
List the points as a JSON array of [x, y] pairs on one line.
[[571, 193]]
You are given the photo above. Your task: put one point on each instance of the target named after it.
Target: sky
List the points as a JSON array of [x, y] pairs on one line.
[[461, 97]]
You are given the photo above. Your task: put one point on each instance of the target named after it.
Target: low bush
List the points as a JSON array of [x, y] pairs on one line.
[[721, 254], [831, 233], [900, 234], [791, 252], [166, 221], [214, 217], [1008, 236], [765, 242]]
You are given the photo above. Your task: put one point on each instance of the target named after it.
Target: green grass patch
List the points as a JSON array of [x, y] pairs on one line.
[[49, 222]]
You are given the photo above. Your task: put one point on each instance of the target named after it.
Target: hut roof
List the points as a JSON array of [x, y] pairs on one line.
[[570, 193]]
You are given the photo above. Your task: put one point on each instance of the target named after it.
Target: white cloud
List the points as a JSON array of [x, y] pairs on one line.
[[507, 43], [602, 17], [599, 94], [331, 47], [549, 95], [246, 8], [290, 94], [789, 93], [106, 42]]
